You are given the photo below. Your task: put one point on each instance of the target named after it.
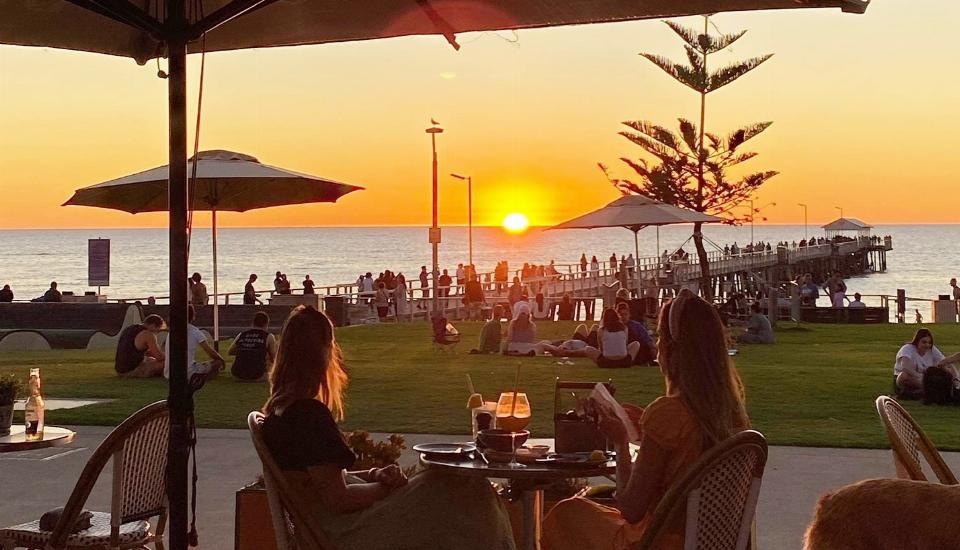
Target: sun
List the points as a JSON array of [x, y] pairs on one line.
[[516, 222]]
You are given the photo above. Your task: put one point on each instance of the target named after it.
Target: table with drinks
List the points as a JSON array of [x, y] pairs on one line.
[[33, 434], [503, 451]]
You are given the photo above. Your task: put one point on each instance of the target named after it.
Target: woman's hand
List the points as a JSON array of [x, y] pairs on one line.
[[391, 476], [612, 427]]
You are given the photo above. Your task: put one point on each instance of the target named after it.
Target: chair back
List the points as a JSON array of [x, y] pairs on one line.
[[294, 530], [908, 443], [718, 495], [138, 447]]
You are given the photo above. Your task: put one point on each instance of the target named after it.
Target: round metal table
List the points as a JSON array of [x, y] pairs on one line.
[[528, 481], [52, 437]]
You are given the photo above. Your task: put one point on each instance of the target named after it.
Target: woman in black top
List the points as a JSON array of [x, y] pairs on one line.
[[377, 509]]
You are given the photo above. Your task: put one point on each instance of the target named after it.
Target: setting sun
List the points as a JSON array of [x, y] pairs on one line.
[[516, 223]]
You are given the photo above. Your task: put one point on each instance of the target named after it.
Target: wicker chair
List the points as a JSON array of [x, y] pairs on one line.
[[908, 442], [293, 529], [718, 495], [138, 447]]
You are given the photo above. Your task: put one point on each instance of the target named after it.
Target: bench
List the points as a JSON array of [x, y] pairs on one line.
[[834, 315]]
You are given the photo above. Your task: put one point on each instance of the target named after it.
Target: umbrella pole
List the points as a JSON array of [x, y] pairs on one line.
[[657, 255], [179, 401], [216, 292], [636, 261]]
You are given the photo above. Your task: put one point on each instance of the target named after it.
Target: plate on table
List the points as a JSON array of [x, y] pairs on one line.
[[446, 450], [581, 460]]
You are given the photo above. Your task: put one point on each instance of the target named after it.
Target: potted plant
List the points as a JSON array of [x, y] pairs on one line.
[[10, 388]]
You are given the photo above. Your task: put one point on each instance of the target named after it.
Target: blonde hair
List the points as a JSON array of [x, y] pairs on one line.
[[693, 356], [309, 364]]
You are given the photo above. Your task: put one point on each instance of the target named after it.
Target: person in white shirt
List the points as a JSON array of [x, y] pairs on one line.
[[195, 338], [856, 303], [913, 360]]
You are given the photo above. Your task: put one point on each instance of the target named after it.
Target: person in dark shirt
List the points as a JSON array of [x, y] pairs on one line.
[[636, 332], [250, 293], [445, 281], [138, 354], [308, 285], [255, 350], [6, 295], [565, 308], [52, 294], [474, 298], [376, 509]]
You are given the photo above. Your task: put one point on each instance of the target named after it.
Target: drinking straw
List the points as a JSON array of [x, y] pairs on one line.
[[516, 388], [470, 384]]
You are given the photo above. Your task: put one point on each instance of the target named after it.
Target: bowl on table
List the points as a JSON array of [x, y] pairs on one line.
[[502, 440]]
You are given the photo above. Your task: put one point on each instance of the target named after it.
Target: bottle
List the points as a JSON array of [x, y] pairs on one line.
[[34, 408]]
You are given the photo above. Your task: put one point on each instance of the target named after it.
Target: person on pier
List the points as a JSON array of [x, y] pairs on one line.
[[250, 293], [836, 289]]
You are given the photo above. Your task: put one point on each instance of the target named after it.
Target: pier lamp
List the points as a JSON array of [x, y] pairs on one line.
[[753, 212], [469, 180], [804, 219], [434, 238], [840, 208]]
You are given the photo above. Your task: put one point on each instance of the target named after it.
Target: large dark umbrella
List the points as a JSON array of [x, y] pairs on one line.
[[144, 29], [225, 181]]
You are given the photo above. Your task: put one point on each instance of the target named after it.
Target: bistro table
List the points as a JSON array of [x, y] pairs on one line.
[[52, 437], [528, 482]]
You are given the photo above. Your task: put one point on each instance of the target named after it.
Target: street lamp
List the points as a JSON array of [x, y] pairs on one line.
[[804, 219], [840, 208], [469, 180], [753, 212], [434, 237]]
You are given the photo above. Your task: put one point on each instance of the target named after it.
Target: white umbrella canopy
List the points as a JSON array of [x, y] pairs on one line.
[[226, 181], [133, 28], [635, 212]]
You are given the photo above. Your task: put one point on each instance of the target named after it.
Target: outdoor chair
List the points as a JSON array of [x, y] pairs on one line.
[[445, 335], [908, 442], [717, 495], [138, 447], [293, 529]]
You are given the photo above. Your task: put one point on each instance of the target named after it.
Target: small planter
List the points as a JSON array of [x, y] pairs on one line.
[[6, 419]]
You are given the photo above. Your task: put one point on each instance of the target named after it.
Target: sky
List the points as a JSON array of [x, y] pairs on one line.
[[864, 107]]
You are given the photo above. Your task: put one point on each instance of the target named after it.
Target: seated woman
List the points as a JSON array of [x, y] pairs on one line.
[[521, 333], [913, 360], [702, 407], [613, 351], [491, 334], [378, 508]]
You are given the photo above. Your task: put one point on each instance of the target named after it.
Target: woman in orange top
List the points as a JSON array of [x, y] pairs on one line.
[[703, 405]]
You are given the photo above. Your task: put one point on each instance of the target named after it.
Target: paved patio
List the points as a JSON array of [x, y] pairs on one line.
[[32, 483]]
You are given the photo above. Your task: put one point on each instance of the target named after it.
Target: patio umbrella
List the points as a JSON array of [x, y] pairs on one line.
[[226, 181], [144, 29], [636, 212]]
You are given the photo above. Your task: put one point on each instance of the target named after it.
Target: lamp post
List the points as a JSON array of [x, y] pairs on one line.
[[804, 219], [434, 238], [753, 212], [469, 180], [840, 208]]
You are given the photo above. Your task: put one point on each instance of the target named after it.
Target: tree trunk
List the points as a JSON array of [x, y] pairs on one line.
[[706, 290]]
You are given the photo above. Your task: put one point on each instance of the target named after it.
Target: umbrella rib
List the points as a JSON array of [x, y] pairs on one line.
[[123, 12], [234, 9]]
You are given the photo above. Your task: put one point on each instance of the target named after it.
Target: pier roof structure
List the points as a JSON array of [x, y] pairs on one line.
[[842, 225]]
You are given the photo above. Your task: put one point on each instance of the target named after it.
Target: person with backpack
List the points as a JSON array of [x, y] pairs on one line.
[[255, 350]]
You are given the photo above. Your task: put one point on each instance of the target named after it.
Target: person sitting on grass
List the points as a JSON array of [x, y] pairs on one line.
[[491, 334], [613, 350], [195, 339], [703, 406], [758, 329], [913, 360], [138, 354], [521, 333], [375, 509], [255, 350], [637, 332]]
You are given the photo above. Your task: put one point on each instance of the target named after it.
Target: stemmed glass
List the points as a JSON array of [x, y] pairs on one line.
[[513, 415]]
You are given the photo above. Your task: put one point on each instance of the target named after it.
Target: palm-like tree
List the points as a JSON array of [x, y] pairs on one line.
[[690, 167]]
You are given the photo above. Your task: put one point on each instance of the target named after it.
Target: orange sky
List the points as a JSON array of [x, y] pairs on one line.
[[863, 109]]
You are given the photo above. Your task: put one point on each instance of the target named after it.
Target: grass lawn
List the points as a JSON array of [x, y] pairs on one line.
[[815, 387]]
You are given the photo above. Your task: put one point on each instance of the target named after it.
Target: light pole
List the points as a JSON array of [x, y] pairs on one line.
[[753, 213], [435, 229], [840, 208], [804, 219], [469, 180]]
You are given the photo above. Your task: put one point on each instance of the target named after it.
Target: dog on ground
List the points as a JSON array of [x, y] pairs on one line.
[[887, 514]]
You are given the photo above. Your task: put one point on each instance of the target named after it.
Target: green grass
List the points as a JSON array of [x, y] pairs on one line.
[[815, 387]]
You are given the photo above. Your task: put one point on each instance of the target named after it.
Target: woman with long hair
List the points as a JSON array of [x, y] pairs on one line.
[[703, 405], [913, 360], [376, 509], [521, 332], [615, 350]]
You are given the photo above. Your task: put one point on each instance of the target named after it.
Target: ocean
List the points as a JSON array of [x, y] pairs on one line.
[[923, 260]]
